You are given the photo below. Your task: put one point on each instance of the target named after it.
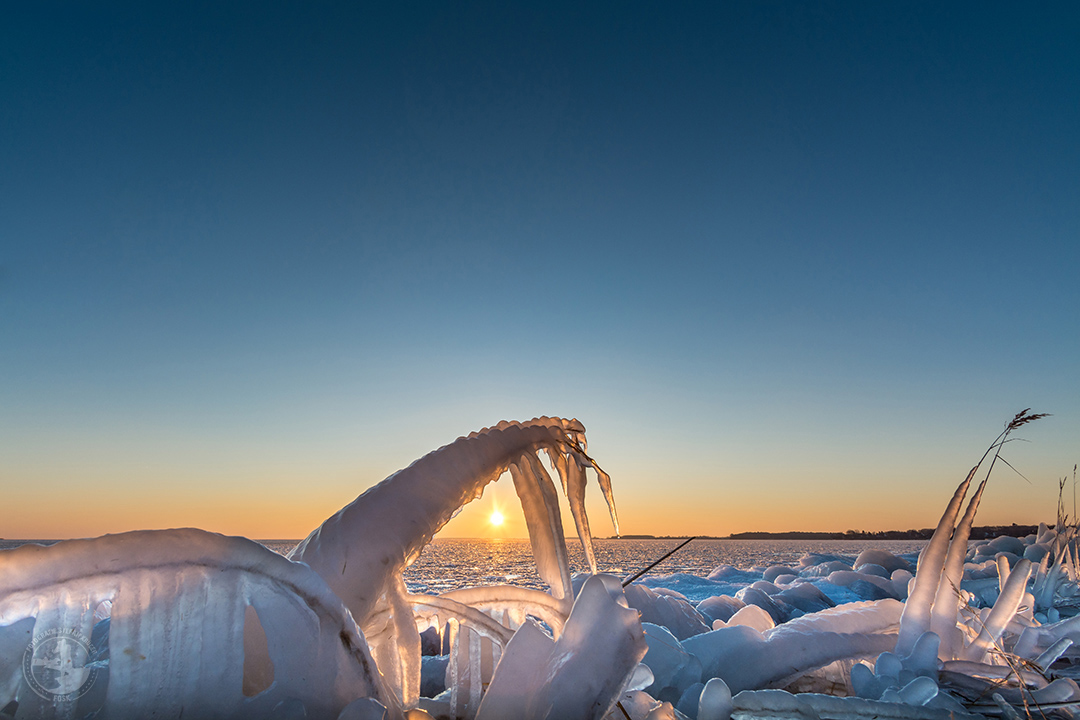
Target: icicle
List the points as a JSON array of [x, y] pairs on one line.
[[1004, 609], [917, 610], [605, 485], [457, 668], [575, 494], [947, 601], [559, 461], [406, 642], [551, 499], [476, 679], [461, 614], [544, 522], [520, 601]]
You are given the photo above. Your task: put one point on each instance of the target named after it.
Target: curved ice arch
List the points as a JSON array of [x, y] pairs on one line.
[[179, 599], [364, 545], [362, 550]]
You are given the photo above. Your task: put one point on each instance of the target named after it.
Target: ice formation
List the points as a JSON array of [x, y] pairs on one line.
[[183, 623], [187, 622]]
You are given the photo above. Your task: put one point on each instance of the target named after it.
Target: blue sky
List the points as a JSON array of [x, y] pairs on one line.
[[782, 261]]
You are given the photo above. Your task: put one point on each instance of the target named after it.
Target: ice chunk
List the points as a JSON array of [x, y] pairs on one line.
[[882, 558], [752, 616], [673, 668], [777, 610], [688, 702], [517, 681], [662, 608], [587, 669], [715, 702], [805, 597], [364, 709], [719, 607], [777, 570]]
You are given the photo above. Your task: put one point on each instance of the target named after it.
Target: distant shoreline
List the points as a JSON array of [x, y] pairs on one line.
[[977, 533]]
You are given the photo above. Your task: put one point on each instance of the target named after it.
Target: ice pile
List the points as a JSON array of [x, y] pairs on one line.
[[184, 623], [980, 631]]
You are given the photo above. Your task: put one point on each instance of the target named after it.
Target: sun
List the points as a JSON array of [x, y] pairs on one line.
[[496, 518]]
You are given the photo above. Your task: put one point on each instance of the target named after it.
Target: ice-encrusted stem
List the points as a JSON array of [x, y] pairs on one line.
[[1004, 609], [368, 542], [748, 660], [1044, 590], [1003, 572], [947, 601], [519, 602], [918, 608]]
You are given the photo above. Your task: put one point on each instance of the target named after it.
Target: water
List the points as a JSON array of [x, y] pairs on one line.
[[452, 563]]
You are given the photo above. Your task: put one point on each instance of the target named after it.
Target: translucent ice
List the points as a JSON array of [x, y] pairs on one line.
[[582, 674], [200, 624]]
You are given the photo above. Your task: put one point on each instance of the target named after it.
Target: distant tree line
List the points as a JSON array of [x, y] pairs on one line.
[[981, 532], [977, 533]]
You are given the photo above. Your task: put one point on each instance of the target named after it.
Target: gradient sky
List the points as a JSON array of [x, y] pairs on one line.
[[794, 267]]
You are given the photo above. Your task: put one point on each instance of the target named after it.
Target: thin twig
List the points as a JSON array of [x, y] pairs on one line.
[[669, 553]]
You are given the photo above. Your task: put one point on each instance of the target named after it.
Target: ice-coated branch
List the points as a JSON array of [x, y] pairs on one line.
[[746, 660], [1004, 609], [947, 601]]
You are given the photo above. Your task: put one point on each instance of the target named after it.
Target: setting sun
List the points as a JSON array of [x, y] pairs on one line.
[[496, 518]]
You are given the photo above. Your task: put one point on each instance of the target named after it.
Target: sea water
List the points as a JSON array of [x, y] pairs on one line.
[[449, 564]]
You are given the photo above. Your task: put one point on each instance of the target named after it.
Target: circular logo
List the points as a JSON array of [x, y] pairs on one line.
[[55, 664]]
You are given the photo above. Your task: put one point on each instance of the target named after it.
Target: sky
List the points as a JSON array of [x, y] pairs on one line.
[[793, 266]]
